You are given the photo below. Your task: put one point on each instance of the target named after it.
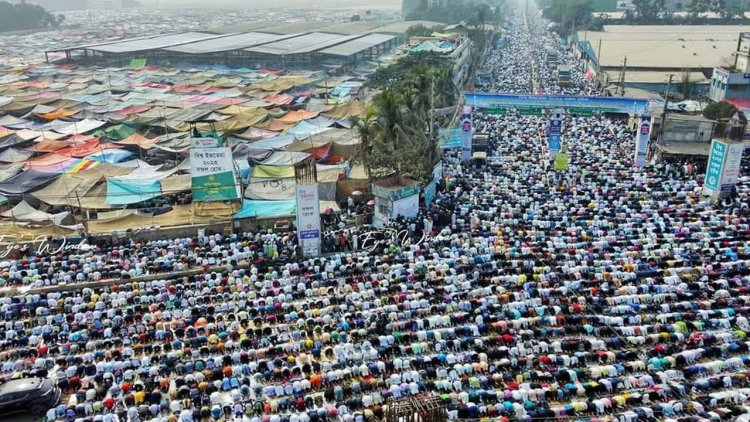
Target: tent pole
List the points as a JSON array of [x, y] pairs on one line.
[[84, 220]]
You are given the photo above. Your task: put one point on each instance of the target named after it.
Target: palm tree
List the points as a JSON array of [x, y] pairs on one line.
[[368, 130]]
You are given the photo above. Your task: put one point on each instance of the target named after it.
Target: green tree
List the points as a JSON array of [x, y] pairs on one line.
[[420, 30], [687, 85], [696, 7], [23, 16], [645, 10], [570, 14], [719, 111], [368, 130]]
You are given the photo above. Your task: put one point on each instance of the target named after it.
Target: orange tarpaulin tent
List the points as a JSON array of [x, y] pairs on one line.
[[297, 116], [6, 132], [138, 140], [83, 150], [48, 145], [278, 100], [275, 125], [58, 114], [48, 160]]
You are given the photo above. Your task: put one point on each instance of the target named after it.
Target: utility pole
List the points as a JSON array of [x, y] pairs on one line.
[[599, 55], [432, 106], [622, 76], [666, 104]]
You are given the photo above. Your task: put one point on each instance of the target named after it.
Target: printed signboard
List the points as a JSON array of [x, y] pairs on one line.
[[715, 166], [554, 132], [308, 219], [212, 171], [641, 141], [609, 104]]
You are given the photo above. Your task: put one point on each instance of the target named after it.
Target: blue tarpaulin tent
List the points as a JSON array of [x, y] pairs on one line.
[[266, 209], [111, 156], [121, 192]]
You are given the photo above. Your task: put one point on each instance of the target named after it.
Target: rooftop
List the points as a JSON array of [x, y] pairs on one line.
[[358, 45], [226, 43], [152, 43], [303, 43], [685, 47], [653, 76]]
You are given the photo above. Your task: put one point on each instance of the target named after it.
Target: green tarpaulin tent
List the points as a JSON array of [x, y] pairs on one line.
[[138, 63]]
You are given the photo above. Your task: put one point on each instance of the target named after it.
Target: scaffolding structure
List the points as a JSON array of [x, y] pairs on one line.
[[420, 408]]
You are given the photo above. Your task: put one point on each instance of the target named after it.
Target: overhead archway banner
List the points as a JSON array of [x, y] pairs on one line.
[[503, 102]]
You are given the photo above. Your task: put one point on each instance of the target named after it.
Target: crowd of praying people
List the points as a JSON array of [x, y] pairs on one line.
[[602, 292]]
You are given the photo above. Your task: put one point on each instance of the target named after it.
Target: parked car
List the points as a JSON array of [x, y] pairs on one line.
[[34, 395]]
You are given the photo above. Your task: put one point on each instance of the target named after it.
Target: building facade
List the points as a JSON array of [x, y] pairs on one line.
[[733, 83]]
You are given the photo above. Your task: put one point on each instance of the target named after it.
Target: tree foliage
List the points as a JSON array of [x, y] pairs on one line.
[[570, 14], [392, 76], [395, 131], [470, 12], [420, 30], [655, 12], [720, 111], [23, 16]]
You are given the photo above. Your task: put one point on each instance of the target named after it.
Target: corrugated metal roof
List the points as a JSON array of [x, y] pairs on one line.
[[153, 43], [681, 49], [305, 43], [358, 45], [673, 29], [227, 43], [655, 76]]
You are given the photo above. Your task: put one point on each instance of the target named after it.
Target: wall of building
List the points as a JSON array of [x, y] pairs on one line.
[[726, 85]]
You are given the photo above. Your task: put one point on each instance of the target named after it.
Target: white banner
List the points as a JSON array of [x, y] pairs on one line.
[[408, 207], [731, 171], [308, 219], [641, 141], [271, 189]]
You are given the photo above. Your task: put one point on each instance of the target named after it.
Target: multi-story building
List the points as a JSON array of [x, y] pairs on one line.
[[733, 83]]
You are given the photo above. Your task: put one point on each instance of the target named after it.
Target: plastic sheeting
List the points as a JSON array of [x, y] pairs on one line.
[[111, 156], [284, 158], [82, 126], [26, 182], [70, 188], [25, 212], [254, 134], [138, 140], [48, 145], [9, 170], [12, 155], [266, 209], [176, 183], [279, 142], [343, 111], [120, 192], [272, 172], [305, 130]]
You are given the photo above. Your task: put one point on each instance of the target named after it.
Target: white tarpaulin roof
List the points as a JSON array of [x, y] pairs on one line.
[[284, 158], [85, 125], [25, 212], [144, 171]]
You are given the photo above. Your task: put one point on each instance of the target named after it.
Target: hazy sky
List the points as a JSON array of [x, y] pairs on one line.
[[265, 4]]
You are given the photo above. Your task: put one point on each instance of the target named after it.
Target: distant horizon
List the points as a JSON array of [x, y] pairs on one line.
[[59, 5], [285, 4]]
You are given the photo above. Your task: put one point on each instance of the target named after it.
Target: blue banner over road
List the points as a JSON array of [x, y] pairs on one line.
[[603, 104]]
